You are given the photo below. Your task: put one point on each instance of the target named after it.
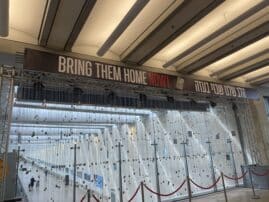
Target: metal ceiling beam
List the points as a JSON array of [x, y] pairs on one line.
[[70, 124], [42, 138], [96, 130], [47, 21], [66, 19], [261, 82], [245, 70], [258, 78], [40, 141], [88, 126], [125, 22], [217, 33], [82, 18], [91, 126], [241, 62], [35, 143], [19, 105], [235, 45], [185, 16]]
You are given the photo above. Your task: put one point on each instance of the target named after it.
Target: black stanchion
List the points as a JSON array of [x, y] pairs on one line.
[[229, 141], [189, 188], [184, 143], [252, 186], [89, 195], [156, 170], [142, 192], [224, 188], [120, 171], [75, 171], [213, 176]]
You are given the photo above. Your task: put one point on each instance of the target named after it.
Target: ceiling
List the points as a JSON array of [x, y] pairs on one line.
[[226, 40]]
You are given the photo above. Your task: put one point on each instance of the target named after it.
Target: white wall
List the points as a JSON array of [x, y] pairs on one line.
[[100, 154]]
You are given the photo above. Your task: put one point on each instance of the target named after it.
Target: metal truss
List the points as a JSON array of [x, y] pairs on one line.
[[6, 103]]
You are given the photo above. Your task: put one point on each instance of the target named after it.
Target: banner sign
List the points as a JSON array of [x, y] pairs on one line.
[[49, 62], [218, 89]]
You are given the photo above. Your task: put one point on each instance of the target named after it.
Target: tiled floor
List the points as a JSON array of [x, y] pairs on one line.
[[48, 192], [235, 195]]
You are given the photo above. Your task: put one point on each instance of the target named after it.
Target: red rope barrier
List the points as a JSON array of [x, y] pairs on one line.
[[95, 198], [236, 178], [83, 197], [201, 187], [261, 175], [159, 194], [136, 191]]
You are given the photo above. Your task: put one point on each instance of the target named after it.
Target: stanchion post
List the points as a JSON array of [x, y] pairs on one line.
[[89, 195], [189, 188], [252, 186], [156, 170], [187, 170], [224, 188], [75, 171], [142, 191], [213, 176], [120, 171], [229, 141], [17, 172], [240, 133]]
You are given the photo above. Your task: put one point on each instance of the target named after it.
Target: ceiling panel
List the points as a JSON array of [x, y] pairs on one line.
[[180, 20], [65, 19], [148, 19], [216, 19], [103, 22], [242, 54], [227, 46], [258, 73], [104, 18], [25, 20]]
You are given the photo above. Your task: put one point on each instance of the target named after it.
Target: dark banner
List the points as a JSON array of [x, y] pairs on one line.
[[218, 89], [49, 62]]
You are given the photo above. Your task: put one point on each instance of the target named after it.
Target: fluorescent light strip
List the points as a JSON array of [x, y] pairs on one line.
[[83, 107]]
